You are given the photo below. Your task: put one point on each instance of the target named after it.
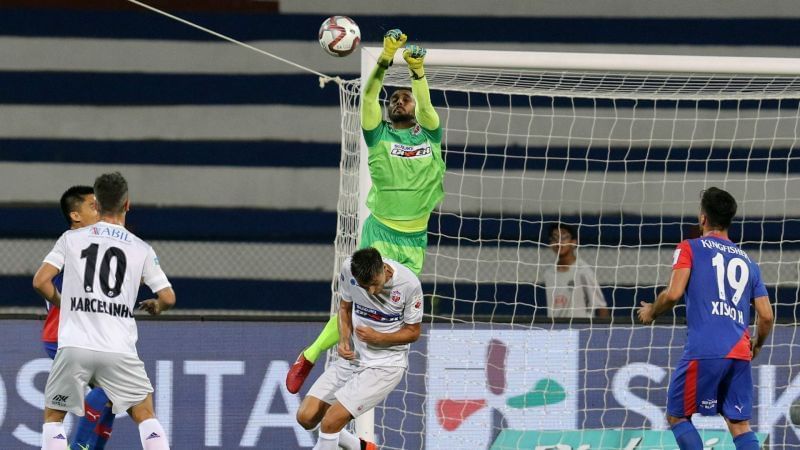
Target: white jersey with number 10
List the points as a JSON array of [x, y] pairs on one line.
[[103, 266]]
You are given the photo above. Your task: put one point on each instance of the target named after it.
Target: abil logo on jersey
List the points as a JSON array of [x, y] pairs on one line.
[[116, 233]]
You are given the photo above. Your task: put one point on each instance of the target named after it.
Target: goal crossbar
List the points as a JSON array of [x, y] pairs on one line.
[[607, 62]]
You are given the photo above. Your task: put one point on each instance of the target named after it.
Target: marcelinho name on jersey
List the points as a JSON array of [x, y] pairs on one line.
[[116, 233], [709, 243], [96, 305]]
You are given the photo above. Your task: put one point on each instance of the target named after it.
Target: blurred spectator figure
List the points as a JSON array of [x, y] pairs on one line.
[[572, 289]]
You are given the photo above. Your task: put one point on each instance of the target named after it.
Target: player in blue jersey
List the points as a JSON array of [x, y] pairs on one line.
[[719, 281]]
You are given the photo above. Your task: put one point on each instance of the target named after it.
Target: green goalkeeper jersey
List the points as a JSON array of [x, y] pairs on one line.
[[407, 171]]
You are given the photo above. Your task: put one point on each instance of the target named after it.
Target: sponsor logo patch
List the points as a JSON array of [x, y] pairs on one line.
[[411, 151], [60, 400], [709, 404]]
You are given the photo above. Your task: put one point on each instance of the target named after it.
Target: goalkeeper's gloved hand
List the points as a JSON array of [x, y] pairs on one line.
[[392, 40], [414, 56]]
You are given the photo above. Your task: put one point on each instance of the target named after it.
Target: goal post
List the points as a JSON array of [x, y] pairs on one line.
[[618, 147]]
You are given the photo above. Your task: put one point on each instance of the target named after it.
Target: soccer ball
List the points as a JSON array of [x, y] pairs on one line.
[[339, 35]]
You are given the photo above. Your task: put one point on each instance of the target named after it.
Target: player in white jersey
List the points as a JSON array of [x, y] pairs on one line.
[[103, 266], [380, 311]]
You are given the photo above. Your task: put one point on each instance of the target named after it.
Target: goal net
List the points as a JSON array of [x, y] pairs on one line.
[[619, 147]]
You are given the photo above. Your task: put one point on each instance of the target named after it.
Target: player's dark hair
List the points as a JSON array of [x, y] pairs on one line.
[[366, 264], [71, 200], [563, 226], [111, 191], [719, 207]]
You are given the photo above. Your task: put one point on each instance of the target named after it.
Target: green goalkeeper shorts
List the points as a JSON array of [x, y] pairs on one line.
[[406, 248]]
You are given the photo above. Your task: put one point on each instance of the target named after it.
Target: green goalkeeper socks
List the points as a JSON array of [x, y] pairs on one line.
[[327, 339]]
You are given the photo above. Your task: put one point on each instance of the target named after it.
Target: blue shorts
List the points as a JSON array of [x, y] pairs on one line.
[[710, 387], [50, 348]]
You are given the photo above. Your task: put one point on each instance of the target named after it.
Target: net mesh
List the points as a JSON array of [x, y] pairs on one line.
[[623, 158]]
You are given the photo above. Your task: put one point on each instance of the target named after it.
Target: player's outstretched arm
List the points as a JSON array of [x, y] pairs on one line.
[[164, 301], [43, 283], [425, 113], [764, 322], [667, 299], [346, 330], [370, 108]]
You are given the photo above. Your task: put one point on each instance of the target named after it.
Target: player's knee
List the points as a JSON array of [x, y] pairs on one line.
[[53, 415], [335, 420], [306, 420], [738, 427], [331, 425], [140, 413], [672, 420]]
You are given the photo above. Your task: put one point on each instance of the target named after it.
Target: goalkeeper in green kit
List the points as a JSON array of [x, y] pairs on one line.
[[407, 169]]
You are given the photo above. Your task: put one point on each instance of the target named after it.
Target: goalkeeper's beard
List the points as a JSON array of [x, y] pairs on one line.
[[400, 117]]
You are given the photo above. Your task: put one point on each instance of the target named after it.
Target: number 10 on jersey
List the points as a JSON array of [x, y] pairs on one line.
[[113, 253]]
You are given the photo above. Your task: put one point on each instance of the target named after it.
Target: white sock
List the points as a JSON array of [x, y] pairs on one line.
[[54, 437], [152, 435], [327, 441], [348, 441]]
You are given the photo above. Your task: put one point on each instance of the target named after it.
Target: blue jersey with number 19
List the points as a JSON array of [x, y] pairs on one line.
[[722, 283]]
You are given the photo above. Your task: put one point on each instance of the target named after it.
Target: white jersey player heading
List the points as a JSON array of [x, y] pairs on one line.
[[103, 267], [400, 302]]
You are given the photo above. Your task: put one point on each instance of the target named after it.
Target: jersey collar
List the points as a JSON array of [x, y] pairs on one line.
[[716, 235]]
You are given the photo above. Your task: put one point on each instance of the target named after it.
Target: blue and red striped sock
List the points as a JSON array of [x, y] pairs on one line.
[[93, 406], [103, 429]]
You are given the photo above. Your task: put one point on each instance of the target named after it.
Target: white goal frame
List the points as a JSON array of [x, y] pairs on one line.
[[600, 62]]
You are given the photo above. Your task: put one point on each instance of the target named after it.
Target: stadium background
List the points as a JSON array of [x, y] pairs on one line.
[[233, 157]]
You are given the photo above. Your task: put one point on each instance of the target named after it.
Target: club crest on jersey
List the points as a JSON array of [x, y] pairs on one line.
[[416, 130], [411, 151], [395, 296]]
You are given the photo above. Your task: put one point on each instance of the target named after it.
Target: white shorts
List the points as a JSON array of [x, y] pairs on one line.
[[122, 377], [357, 389]]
